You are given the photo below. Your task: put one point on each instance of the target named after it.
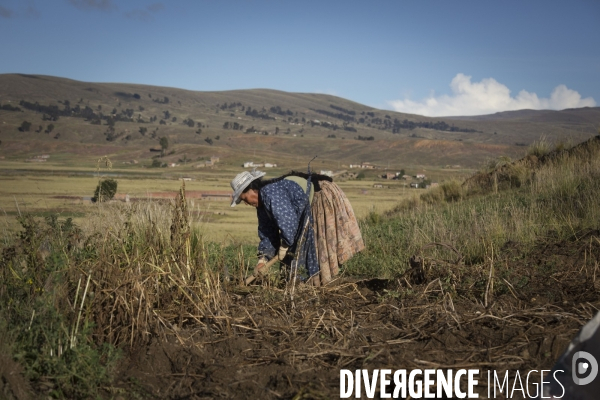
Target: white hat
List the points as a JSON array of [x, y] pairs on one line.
[[241, 182]]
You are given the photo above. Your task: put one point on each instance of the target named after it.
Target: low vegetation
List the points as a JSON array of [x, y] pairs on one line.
[[79, 302], [519, 202]]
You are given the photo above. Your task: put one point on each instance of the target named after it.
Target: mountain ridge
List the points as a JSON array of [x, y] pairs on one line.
[[235, 122]]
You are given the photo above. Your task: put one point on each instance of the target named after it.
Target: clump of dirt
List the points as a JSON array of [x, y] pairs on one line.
[[517, 313]]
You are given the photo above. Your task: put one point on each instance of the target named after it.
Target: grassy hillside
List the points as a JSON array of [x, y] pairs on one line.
[[280, 122], [524, 203]]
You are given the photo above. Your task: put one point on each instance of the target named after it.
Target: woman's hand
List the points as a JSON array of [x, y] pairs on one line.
[[283, 251], [261, 267]]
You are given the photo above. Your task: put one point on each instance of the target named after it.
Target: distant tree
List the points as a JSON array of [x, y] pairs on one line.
[[209, 141], [143, 130], [198, 131], [174, 119], [423, 184], [164, 144], [226, 125], [49, 128], [365, 137], [105, 190], [25, 126], [167, 114], [39, 129], [155, 164], [217, 137]]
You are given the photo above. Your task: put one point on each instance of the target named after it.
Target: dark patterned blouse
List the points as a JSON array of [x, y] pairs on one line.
[[279, 218]]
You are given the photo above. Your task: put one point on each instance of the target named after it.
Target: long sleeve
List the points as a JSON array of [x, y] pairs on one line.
[[282, 206], [279, 215], [268, 234]]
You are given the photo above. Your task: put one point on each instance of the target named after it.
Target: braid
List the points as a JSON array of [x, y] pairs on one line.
[[315, 178]]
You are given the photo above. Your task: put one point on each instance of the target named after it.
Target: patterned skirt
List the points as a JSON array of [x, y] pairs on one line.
[[337, 235]]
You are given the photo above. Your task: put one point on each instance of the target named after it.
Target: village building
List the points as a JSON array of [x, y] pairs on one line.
[[364, 165]]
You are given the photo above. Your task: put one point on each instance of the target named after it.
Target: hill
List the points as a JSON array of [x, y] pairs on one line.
[[80, 120]]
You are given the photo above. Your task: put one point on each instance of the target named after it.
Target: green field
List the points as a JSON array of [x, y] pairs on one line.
[[66, 190]]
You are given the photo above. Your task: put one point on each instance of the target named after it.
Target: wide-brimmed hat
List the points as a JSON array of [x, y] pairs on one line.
[[241, 182]]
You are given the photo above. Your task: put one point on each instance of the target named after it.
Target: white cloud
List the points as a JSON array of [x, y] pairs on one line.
[[487, 97]]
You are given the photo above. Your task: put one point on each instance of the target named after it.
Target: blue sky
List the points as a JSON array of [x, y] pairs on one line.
[[425, 57]]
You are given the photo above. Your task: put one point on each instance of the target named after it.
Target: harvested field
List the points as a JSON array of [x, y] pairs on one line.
[[264, 344], [136, 303]]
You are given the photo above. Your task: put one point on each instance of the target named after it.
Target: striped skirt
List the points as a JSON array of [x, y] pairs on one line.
[[337, 235]]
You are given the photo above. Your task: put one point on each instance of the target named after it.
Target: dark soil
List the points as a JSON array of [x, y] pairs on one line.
[[265, 344]]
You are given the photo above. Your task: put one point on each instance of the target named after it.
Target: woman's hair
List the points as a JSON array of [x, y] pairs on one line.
[[256, 184], [259, 183]]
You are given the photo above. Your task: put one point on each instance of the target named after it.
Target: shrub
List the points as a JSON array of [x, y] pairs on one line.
[[453, 190], [539, 148], [25, 126], [105, 190]]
